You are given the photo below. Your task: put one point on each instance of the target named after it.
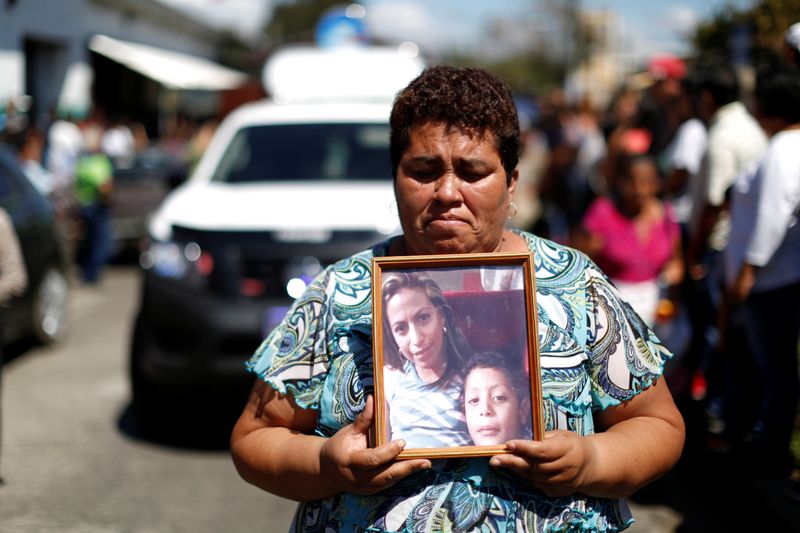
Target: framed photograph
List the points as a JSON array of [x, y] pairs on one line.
[[455, 353]]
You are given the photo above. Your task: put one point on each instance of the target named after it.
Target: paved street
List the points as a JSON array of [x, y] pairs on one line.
[[70, 460]]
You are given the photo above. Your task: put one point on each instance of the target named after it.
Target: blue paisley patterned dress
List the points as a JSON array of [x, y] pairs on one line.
[[595, 353]]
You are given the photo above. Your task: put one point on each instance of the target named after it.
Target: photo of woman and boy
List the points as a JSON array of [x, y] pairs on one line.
[[439, 391]]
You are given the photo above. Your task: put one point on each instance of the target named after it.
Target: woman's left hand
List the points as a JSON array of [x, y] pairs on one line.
[[636, 441], [559, 465]]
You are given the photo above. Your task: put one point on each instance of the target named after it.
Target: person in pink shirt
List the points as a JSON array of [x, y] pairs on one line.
[[634, 237]]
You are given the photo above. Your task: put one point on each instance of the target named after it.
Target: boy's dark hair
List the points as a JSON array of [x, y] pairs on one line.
[[516, 378]]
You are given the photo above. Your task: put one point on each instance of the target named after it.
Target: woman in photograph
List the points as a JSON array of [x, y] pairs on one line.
[[424, 355], [611, 424], [496, 400]]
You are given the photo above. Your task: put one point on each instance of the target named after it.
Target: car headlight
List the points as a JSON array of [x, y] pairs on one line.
[[175, 260], [299, 273]]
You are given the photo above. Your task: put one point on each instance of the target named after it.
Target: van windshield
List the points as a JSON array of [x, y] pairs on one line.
[[304, 152]]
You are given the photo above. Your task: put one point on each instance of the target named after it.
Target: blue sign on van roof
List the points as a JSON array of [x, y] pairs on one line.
[[337, 27]]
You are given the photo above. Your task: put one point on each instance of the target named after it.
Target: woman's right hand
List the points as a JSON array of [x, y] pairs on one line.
[[348, 464]]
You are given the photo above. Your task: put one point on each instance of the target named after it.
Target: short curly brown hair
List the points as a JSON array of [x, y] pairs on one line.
[[469, 98]]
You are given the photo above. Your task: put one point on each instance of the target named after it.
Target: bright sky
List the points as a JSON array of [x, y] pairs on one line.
[[660, 26], [647, 27]]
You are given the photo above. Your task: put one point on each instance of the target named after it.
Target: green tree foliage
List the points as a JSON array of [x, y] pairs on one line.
[[526, 73], [766, 20], [296, 21], [234, 53]]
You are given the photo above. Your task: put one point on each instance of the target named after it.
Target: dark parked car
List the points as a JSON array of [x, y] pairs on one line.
[[42, 310]]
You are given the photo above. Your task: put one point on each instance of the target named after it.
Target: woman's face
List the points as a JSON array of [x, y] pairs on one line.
[[451, 192], [625, 108], [417, 327], [492, 407], [640, 185]]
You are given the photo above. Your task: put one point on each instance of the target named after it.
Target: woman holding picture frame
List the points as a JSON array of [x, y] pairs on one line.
[[612, 425]]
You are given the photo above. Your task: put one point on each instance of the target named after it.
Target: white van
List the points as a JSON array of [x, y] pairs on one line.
[[286, 187]]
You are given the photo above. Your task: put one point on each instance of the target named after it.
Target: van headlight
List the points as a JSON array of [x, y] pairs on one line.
[[298, 273], [177, 260]]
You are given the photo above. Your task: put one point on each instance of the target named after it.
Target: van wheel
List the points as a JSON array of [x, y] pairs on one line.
[[147, 404], [49, 314]]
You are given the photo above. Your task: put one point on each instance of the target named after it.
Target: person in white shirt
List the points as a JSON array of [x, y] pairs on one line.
[[684, 155], [29, 153], [65, 141], [736, 142], [117, 143], [762, 267], [791, 44]]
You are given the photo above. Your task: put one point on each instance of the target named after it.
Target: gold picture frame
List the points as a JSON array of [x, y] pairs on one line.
[[476, 353]]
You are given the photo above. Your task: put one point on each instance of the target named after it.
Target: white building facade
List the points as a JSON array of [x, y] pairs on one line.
[[65, 55]]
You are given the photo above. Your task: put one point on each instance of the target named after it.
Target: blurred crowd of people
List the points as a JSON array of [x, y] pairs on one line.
[[686, 192], [72, 162]]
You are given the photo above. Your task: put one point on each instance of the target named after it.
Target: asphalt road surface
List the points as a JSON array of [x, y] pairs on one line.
[[73, 461]]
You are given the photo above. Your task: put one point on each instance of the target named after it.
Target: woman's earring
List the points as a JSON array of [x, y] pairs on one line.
[[444, 329], [512, 210]]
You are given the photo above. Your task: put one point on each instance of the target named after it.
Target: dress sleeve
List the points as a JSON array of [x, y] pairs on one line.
[[295, 357], [625, 356]]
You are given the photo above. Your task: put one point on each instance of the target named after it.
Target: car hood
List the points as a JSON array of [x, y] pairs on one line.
[[356, 206]]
